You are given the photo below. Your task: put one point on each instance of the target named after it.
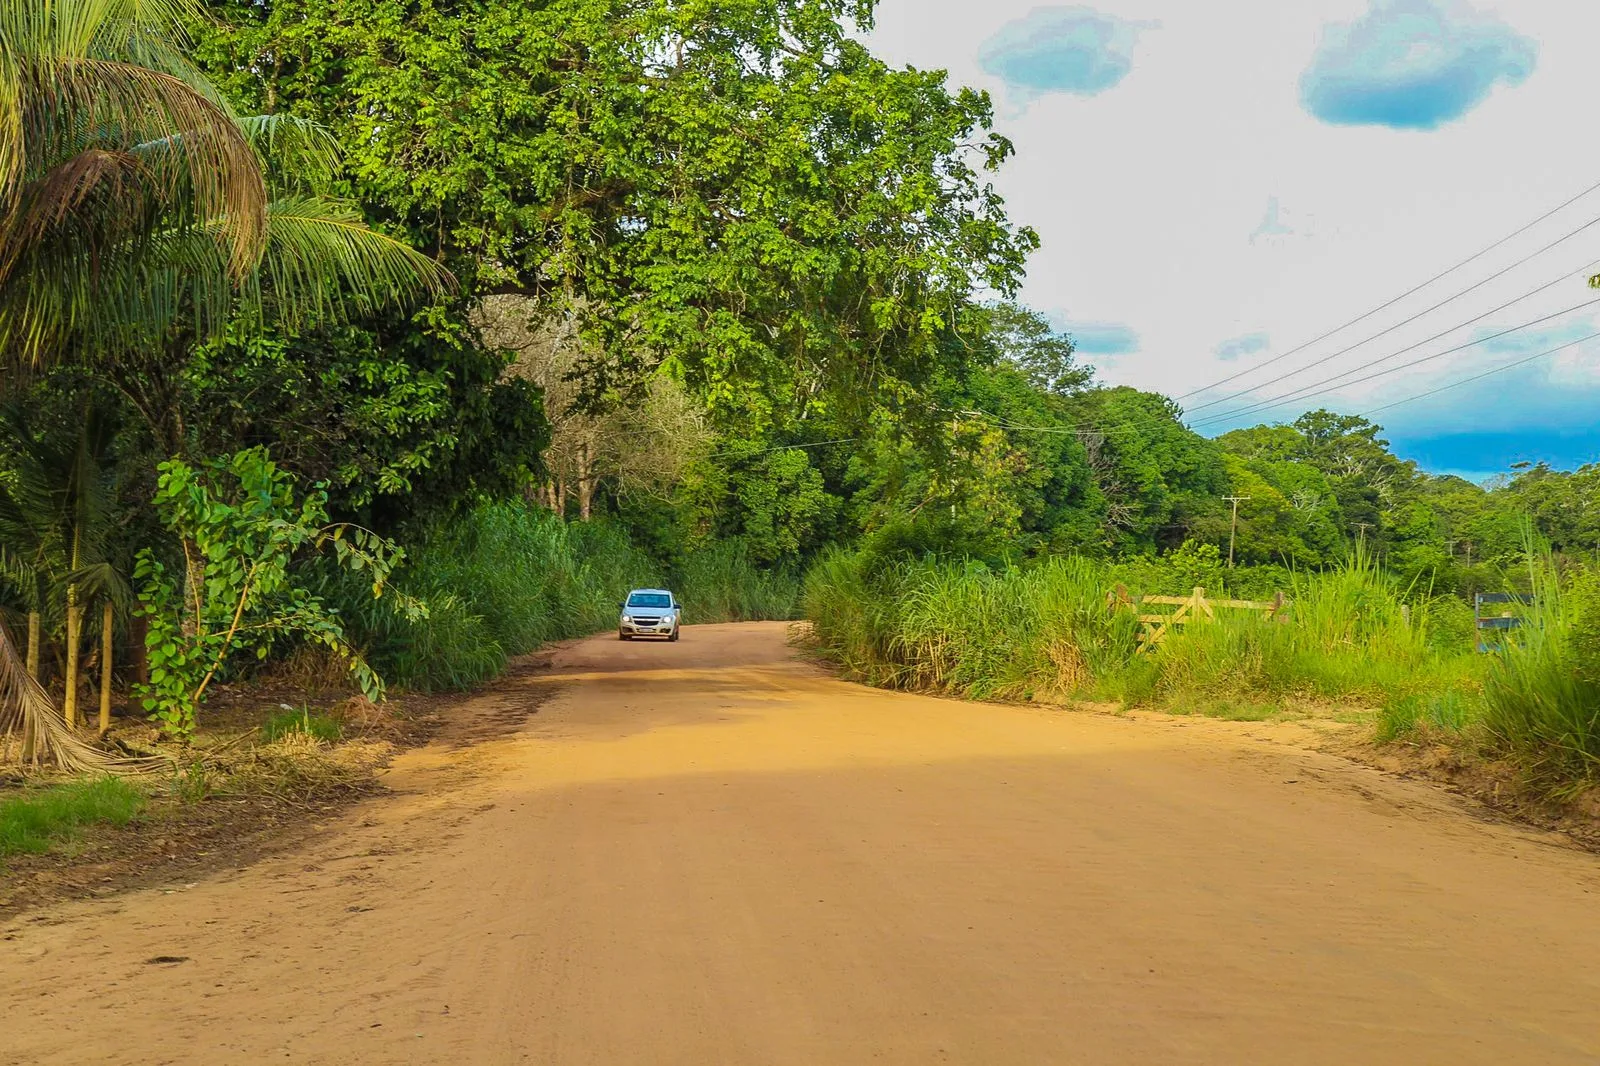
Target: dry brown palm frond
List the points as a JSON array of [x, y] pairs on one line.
[[154, 113], [34, 733]]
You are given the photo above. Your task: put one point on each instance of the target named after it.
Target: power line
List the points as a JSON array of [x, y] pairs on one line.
[[780, 448], [1300, 394], [1485, 374], [1511, 303], [1315, 389], [1420, 314], [1409, 292]]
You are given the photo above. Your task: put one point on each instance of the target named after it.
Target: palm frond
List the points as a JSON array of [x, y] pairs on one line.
[[298, 154], [35, 735], [323, 262], [33, 732], [221, 172]]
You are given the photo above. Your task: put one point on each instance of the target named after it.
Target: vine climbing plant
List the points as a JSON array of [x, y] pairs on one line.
[[241, 531]]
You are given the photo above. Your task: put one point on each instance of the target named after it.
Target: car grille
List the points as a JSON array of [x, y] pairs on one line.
[[645, 621]]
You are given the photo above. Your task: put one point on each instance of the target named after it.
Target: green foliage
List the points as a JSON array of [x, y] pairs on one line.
[[1161, 482], [240, 528], [771, 499], [398, 418], [34, 820], [739, 187]]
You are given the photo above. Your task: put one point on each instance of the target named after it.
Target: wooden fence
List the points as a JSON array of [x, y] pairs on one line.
[[1156, 624]]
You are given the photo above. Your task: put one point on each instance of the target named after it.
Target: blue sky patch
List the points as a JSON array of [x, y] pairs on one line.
[[1061, 50], [1533, 341], [1102, 338], [1239, 347], [1413, 65]]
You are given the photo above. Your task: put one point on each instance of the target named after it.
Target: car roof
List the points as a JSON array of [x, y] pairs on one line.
[[662, 592]]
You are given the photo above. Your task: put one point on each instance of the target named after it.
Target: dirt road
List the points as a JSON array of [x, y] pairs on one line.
[[709, 853]]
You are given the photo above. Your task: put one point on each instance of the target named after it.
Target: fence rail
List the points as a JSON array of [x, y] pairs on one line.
[[1194, 607]]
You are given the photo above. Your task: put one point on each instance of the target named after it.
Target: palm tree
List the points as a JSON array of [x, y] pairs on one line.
[[137, 215], [132, 199], [56, 533]]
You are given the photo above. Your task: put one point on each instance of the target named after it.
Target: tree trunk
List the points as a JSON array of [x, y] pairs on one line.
[[585, 482], [106, 655], [69, 705], [34, 640], [561, 496]]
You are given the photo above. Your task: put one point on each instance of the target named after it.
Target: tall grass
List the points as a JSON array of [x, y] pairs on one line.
[[499, 581], [1047, 631], [967, 629], [1541, 698], [721, 583]]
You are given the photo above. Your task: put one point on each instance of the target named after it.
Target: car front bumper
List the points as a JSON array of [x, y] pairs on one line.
[[662, 628]]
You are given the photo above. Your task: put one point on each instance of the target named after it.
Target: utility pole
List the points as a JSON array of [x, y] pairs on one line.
[[1233, 529]]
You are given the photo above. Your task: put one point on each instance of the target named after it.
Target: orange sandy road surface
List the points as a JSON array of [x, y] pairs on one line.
[[710, 853]]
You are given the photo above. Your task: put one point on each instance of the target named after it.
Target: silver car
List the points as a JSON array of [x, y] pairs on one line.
[[650, 613]]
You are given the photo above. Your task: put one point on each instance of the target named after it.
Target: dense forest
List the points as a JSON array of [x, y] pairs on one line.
[[413, 333]]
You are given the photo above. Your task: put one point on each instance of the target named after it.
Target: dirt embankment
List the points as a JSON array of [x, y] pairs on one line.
[[710, 852]]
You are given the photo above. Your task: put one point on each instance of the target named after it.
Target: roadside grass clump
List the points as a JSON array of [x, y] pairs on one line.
[[1541, 695], [1448, 714], [967, 629], [721, 583], [318, 726], [37, 819]]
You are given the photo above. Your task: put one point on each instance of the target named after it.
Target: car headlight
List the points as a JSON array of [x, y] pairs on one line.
[[627, 618]]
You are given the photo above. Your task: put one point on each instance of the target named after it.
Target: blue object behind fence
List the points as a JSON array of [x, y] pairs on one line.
[[1502, 622]]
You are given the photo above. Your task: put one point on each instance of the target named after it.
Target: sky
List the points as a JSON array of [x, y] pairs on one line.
[[1220, 185]]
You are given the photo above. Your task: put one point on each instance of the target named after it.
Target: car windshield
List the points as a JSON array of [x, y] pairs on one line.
[[650, 599]]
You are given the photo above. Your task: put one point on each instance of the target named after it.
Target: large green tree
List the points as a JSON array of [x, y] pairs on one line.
[[736, 186]]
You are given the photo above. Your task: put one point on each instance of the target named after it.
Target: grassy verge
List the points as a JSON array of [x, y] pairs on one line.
[[1356, 640], [34, 821]]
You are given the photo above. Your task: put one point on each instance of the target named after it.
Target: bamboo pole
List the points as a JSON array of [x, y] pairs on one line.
[[35, 638], [107, 622], [69, 705]]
